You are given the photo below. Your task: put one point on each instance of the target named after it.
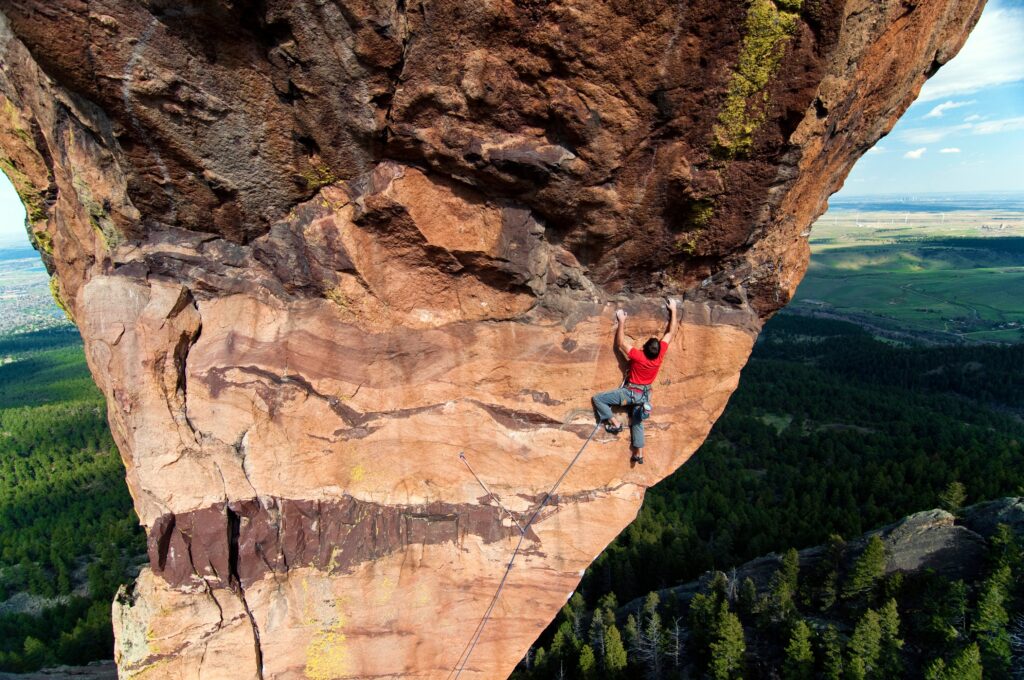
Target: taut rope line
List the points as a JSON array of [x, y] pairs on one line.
[[460, 665], [462, 456]]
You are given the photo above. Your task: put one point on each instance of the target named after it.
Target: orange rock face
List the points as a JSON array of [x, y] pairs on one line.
[[339, 266]]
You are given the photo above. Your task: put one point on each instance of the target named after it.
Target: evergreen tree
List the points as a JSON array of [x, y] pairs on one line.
[[890, 661], [615, 659], [965, 666], [608, 602], [828, 593], [575, 611], [865, 647], [828, 570], [703, 621], [799, 662], [790, 570], [719, 585], [588, 664], [953, 497], [780, 606], [631, 633], [651, 603], [831, 654], [747, 601], [728, 646], [597, 634], [1004, 548], [565, 645], [990, 623], [868, 568]]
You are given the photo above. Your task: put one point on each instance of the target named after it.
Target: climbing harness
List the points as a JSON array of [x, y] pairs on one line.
[[641, 409], [460, 664]]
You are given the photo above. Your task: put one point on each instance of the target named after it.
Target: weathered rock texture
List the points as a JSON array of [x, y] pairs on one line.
[[318, 248]]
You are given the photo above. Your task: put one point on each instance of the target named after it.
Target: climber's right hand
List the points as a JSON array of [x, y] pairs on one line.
[[620, 315]]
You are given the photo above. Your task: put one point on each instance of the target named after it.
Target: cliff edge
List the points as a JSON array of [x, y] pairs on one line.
[[317, 249]]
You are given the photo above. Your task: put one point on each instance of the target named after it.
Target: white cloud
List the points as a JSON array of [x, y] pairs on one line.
[[916, 153], [971, 118], [951, 149], [991, 127], [932, 135], [993, 55], [947, 106], [876, 149]]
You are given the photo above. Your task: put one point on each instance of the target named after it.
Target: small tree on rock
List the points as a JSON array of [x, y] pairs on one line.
[[952, 499]]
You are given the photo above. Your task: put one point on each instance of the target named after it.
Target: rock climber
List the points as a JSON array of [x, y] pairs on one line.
[[636, 393]]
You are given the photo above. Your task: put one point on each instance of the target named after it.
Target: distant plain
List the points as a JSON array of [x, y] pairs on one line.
[[942, 276]]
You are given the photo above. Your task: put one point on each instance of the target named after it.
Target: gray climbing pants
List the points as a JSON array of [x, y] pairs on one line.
[[621, 397]]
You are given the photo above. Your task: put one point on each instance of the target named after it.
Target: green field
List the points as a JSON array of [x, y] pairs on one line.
[[941, 277]]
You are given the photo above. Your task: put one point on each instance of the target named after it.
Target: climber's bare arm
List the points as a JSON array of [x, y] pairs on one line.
[[673, 321], [620, 334]]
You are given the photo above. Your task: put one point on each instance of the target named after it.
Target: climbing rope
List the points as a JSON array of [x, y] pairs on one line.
[[467, 651], [462, 457]]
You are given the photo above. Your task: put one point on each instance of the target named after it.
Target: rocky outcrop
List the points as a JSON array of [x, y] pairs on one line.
[[101, 670], [318, 249], [929, 541]]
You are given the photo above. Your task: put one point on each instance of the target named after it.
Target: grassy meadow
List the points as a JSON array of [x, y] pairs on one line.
[[942, 277]]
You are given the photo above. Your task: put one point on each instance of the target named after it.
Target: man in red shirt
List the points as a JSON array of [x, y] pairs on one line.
[[636, 393]]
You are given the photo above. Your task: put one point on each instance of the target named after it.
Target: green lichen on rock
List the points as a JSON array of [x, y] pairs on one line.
[[96, 213], [769, 26], [701, 213], [688, 243], [41, 241], [103, 226], [58, 298], [319, 175]]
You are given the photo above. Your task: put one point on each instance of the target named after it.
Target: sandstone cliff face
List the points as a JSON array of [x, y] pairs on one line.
[[318, 249]]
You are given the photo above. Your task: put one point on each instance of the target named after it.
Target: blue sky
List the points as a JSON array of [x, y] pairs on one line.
[[965, 133]]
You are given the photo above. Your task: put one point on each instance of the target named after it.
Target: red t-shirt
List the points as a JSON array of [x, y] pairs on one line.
[[643, 371]]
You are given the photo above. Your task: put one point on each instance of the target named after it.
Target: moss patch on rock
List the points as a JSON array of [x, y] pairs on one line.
[[319, 175], [41, 240], [58, 298], [769, 26]]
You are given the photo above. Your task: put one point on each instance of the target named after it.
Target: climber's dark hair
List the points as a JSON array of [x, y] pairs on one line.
[[652, 348]]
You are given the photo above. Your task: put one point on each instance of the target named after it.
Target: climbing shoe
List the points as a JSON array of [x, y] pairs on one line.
[[639, 460], [612, 429]]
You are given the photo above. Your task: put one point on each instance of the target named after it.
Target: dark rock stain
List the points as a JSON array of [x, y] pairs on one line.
[[233, 545]]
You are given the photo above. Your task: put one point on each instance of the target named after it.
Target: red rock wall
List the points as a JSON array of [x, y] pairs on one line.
[[319, 249]]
